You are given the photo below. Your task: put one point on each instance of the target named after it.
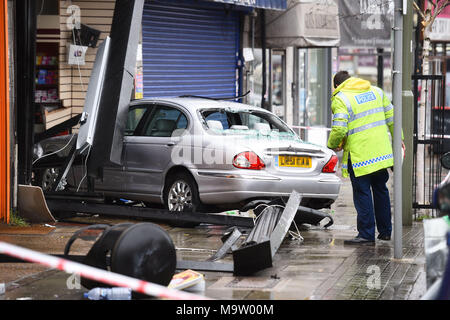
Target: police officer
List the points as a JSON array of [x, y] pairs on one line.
[[361, 113]]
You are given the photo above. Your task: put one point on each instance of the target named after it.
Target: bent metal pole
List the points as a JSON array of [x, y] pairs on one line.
[[397, 100], [96, 274]]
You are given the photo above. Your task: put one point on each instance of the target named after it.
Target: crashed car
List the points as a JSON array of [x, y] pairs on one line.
[[194, 152]]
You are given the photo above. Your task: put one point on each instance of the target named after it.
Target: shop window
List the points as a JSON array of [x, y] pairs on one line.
[[363, 63], [313, 76], [256, 78], [277, 83], [46, 95]]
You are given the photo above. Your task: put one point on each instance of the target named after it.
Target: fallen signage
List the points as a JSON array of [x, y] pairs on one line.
[[262, 243], [258, 249], [304, 214], [227, 245], [210, 264], [64, 206]]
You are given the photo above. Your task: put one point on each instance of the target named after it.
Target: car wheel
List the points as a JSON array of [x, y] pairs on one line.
[[181, 194], [46, 178]]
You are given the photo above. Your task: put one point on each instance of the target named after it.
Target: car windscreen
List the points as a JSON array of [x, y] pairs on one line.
[[227, 121]]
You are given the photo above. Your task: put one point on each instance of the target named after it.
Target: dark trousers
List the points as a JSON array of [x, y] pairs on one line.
[[371, 210]]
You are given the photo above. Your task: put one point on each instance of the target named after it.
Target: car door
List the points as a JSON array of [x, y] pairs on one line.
[[148, 151], [115, 177]]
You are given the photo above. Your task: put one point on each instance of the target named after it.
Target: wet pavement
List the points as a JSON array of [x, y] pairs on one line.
[[320, 267]]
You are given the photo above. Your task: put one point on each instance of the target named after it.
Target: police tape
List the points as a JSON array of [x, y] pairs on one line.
[[96, 274], [311, 128]]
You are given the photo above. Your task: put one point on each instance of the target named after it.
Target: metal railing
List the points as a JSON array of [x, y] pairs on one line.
[[431, 139]]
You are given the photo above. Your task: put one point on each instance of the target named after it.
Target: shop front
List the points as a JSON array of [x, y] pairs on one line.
[[295, 80], [194, 47], [187, 48]]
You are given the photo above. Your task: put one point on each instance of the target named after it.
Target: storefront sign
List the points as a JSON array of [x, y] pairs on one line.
[[265, 4], [440, 30], [366, 23], [76, 54], [305, 23]]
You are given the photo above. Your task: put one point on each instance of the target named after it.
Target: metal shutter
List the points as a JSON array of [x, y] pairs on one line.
[[189, 50]]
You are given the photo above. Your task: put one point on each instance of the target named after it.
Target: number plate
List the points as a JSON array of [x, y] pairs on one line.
[[294, 161]]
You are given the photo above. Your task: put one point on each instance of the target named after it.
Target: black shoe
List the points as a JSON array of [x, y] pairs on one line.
[[359, 240], [384, 237]]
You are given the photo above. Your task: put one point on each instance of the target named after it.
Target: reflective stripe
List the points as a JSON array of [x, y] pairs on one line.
[[340, 116], [347, 103], [340, 123], [388, 108], [344, 166], [367, 126], [390, 119], [372, 161], [366, 113], [380, 92]]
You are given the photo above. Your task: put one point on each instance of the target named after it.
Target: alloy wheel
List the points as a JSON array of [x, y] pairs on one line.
[[49, 177], [180, 196]]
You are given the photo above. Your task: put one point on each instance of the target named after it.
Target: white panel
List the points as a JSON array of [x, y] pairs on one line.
[[91, 104]]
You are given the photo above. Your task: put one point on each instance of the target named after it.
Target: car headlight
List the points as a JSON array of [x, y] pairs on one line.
[[38, 151]]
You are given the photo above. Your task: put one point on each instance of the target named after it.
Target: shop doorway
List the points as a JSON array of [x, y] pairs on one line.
[[277, 86], [312, 114]]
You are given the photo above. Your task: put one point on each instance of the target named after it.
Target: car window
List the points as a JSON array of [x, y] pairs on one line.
[[164, 121], [241, 121], [219, 116], [135, 115], [251, 120]]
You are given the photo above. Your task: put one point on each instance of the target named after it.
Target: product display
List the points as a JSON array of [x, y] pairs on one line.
[[46, 77], [46, 60], [50, 95]]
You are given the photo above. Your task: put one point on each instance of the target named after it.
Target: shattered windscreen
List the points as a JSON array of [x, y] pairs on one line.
[[226, 121]]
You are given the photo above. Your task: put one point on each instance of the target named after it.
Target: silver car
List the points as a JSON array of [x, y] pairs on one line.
[[197, 152]]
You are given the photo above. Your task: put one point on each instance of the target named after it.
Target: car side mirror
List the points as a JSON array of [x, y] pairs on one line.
[[445, 160]]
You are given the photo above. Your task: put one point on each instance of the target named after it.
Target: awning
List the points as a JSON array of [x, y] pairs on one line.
[[264, 4], [304, 24]]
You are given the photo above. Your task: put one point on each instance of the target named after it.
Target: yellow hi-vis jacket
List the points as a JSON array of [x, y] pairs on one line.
[[361, 113]]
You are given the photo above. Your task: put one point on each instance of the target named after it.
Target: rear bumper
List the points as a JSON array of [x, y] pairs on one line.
[[220, 187]]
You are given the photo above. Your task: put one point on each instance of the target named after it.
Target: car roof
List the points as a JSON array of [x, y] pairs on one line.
[[193, 104]]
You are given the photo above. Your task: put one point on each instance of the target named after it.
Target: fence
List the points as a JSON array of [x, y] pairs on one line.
[[431, 140]]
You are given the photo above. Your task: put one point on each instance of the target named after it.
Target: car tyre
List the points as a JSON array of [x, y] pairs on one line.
[[46, 178], [181, 194]]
